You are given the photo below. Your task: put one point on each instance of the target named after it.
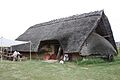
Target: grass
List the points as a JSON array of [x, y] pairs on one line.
[[90, 69]]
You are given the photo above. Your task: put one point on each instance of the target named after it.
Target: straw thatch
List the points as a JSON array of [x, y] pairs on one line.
[[71, 32]]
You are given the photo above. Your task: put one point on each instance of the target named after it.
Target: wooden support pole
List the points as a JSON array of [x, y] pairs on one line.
[[30, 49]]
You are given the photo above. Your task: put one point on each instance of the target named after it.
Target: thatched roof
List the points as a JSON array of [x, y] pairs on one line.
[[71, 32]]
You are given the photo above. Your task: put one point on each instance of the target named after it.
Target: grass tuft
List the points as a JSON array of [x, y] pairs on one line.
[[88, 61]]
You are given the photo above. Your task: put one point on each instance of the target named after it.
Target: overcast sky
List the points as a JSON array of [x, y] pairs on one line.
[[16, 16]]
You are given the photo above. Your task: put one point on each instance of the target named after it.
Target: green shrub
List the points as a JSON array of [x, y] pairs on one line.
[[118, 50]]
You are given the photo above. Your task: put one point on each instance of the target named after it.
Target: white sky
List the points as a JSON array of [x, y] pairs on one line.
[[16, 16]]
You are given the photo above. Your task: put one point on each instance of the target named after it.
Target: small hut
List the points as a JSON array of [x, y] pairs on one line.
[[88, 34]]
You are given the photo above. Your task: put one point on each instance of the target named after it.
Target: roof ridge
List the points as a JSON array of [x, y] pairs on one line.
[[73, 17]]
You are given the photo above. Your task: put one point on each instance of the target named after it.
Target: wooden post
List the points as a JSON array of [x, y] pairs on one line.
[[1, 53], [1, 50], [59, 51], [11, 49], [1, 57], [30, 50]]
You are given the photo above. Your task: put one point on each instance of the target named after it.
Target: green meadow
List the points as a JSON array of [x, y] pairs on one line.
[[89, 69]]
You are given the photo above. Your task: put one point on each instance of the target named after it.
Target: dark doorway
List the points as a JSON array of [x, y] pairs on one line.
[[51, 49]]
